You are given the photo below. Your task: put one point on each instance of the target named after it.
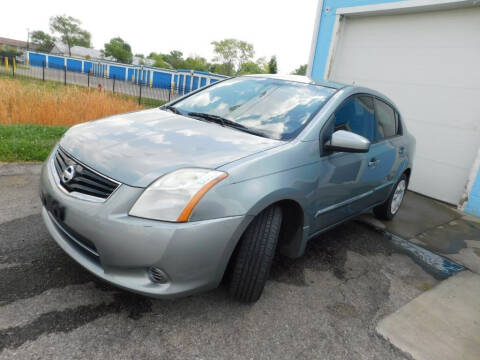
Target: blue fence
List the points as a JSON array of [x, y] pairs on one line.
[[183, 80]]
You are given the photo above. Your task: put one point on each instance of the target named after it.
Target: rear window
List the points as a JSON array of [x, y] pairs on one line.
[[277, 108], [386, 120]]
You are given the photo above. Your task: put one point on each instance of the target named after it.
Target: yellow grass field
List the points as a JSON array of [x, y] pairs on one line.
[[49, 103]]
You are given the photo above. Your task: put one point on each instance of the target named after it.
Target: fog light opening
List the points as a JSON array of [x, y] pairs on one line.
[[157, 275]]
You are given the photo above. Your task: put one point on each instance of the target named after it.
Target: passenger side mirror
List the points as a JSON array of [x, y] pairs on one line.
[[347, 141]]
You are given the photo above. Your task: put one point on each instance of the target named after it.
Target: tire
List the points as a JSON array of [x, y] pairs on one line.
[[256, 250], [389, 208]]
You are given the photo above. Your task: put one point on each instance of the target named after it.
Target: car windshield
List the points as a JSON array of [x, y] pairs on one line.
[[277, 109]]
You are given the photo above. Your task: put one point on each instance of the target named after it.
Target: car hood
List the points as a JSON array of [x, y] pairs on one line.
[[137, 148]]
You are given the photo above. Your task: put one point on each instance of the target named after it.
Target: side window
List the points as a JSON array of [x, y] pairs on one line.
[[386, 120], [357, 115]]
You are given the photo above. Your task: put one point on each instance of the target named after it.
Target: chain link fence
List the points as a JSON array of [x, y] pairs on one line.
[[144, 92]]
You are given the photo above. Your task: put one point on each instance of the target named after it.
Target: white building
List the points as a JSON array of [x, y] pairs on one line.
[[425, 56]]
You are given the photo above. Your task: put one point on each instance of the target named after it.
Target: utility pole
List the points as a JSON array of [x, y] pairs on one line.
[[28, 39]]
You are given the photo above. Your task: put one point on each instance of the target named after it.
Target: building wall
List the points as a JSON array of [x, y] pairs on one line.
[[472, 205]]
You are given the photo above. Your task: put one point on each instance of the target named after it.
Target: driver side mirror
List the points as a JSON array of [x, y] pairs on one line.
[[347, 141]]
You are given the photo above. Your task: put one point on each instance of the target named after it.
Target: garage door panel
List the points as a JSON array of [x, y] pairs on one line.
[[428, 64], [451, 107], [405, 65], [446, 145], [444, 183], [410, 29]]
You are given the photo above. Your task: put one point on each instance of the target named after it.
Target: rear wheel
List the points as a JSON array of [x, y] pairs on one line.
[[389, 208], [255, 255]]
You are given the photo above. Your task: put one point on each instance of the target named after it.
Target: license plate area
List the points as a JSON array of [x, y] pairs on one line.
[[53, 206]]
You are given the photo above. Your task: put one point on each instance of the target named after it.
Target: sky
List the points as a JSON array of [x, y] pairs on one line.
[[281, 28]]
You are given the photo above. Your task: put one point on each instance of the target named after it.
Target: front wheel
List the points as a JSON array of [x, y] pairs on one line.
[[389, 208], [255, 255]]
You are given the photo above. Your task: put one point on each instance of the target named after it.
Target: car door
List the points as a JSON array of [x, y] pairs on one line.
[[385, 152], [345, 181]]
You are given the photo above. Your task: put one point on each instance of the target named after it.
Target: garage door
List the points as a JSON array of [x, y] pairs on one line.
[[429, 65]]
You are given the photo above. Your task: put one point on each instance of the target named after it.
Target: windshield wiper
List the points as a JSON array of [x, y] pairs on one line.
[[209, 117], [225, 122], [173, 109]]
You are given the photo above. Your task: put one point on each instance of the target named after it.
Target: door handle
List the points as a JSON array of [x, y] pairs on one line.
[[401, 150], [373, 162]]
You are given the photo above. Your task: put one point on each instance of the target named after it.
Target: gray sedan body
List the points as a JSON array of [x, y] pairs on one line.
[[315, 187]]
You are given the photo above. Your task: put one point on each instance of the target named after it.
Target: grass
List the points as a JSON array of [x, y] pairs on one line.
[[28, 142], [34, 114], [39, 103]]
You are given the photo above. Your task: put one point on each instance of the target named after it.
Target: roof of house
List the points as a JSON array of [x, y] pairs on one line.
[[16, 43], [146, 61], [80, 51]]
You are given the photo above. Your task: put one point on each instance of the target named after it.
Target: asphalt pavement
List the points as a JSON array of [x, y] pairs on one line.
[[324, 305]]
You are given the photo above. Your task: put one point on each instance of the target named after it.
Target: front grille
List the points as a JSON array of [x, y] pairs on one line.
[[83, 179]]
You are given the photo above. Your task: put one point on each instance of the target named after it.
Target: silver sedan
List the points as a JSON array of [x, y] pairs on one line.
[[169, 201]]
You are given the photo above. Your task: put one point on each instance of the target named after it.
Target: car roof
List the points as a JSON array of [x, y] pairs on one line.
[[300, 78]]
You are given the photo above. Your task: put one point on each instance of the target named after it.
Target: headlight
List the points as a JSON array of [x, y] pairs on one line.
[[174, 196]]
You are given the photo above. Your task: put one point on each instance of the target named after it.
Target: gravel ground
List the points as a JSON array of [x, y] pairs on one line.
[[324, 305]]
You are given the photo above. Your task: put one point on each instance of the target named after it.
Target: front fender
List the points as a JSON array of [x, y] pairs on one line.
[[250, 197]]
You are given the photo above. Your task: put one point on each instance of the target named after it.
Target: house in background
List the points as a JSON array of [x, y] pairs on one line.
[[89, 53], [77, 51], [425, 56], [17, 44], [142, 61]]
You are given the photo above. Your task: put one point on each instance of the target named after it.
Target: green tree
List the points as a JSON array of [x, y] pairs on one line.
[[120, 50], [70, 31], [84, 39], [196, 63], [254, 67], [262, 62], [301, 70], [232, 53], [43, 41], [159, 61], [219, 69], [6, 50], [175, 59], [272, 65], [245, 52], [250, 67]]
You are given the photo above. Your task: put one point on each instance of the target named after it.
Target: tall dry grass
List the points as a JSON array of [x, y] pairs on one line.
[[34, 102]]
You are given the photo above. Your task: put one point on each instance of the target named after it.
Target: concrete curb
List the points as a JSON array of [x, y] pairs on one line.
[[435, 264], [24, 168], [442, 323]]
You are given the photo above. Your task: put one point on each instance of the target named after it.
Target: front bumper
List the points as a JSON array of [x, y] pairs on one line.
[[194, 255]]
